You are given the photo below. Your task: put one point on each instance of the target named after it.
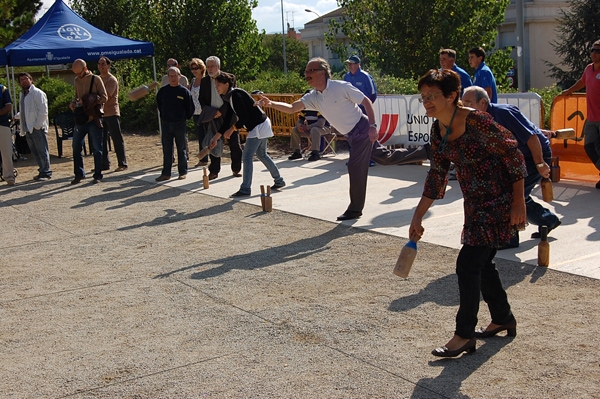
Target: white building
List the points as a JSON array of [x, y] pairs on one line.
[[539, 30], [540, 21]]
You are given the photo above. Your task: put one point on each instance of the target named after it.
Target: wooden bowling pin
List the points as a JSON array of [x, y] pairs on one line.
[[205, 179], [406, 258], [141, 91], [262, 197], [543, 248], [547, 192], [268, 200]]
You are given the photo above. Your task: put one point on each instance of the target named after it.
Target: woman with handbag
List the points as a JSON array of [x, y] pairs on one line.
[[247, 114]]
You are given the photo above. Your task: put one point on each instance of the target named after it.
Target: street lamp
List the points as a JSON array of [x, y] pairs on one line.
[[314, 12], [284, 34]]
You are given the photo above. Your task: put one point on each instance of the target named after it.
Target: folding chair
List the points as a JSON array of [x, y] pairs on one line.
[[330, 139]]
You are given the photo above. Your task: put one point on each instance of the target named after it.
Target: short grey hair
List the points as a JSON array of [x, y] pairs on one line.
[[215, 59], [174, 69], [480, 93]]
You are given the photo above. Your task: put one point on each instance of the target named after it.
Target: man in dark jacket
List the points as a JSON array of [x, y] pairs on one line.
[[176, 106]]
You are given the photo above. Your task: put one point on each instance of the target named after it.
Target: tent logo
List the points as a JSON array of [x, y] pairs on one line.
[[74, 33]]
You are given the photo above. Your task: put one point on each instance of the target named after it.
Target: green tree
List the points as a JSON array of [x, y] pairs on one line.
[[579, 27], [402, 38], [16, 17], [185, 29], [296, 54]]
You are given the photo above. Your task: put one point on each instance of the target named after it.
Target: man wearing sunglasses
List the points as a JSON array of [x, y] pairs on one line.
[[338, 102], [591, 129]]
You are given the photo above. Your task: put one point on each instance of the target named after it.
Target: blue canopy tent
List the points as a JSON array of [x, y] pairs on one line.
[[61, 36]]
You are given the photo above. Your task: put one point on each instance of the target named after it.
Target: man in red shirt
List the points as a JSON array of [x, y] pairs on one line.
[[591, 81]]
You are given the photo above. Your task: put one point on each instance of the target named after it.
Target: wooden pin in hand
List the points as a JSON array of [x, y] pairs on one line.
[[407, 257]]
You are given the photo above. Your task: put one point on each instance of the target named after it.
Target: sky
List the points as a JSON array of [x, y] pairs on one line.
[[268, 12]]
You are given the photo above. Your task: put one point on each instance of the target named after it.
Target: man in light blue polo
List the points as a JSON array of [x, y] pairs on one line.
[[483, 76], [360, 79], [364, 82]]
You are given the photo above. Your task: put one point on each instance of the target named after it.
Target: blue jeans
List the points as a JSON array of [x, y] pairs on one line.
[[536, 213], [258, 147], [38, 144], [174, 131], [96, 142]]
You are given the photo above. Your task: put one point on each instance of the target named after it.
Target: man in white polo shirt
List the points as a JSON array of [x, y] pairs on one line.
[[339, 102]]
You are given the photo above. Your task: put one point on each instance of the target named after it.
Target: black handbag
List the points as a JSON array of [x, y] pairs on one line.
[[81, 117]]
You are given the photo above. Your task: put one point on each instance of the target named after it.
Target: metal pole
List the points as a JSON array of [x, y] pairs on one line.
[[520, 63], [284, 35]]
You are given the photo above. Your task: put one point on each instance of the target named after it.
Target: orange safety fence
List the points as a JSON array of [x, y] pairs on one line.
[[281, 122], [570, 112]]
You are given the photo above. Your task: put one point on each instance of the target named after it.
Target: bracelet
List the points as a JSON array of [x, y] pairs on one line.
[[540, 165]]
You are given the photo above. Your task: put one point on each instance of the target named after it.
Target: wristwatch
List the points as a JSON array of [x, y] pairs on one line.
[[540, 165], [373, 125]]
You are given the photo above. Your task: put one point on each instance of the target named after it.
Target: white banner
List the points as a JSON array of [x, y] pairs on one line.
[[402, 119]]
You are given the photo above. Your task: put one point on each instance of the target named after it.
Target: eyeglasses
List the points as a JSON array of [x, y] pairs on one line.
[[595, 50], [429, 97], [195, 68], [311, 70]]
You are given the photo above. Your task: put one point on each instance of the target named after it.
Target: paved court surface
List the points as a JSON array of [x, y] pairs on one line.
[[320, 190], [133, 289]]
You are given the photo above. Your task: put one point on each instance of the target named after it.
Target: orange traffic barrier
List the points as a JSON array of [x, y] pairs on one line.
[[570, 112]]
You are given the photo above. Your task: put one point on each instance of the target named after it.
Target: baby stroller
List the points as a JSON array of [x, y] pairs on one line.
[[14, 127]]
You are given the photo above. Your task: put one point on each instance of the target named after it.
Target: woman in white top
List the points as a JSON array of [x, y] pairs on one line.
[[198, 70]]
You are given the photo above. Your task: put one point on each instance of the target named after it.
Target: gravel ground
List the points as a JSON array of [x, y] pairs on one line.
[[127, 289]]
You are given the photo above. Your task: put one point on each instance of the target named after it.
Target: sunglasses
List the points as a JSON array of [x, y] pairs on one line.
[[595, 50], [311, 70], [195, 68], [171, 65]]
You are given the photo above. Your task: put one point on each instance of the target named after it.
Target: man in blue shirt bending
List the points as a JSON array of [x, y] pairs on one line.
[[535, 147]]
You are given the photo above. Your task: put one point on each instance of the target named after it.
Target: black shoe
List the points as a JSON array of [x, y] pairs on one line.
[[240, 194], [469, 347], [537, 234], [278, 186], [77, 180], [598, 184], [511, 330], [42, 178], [314, 156], [295, 155], [96, 181], [349, 215]]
